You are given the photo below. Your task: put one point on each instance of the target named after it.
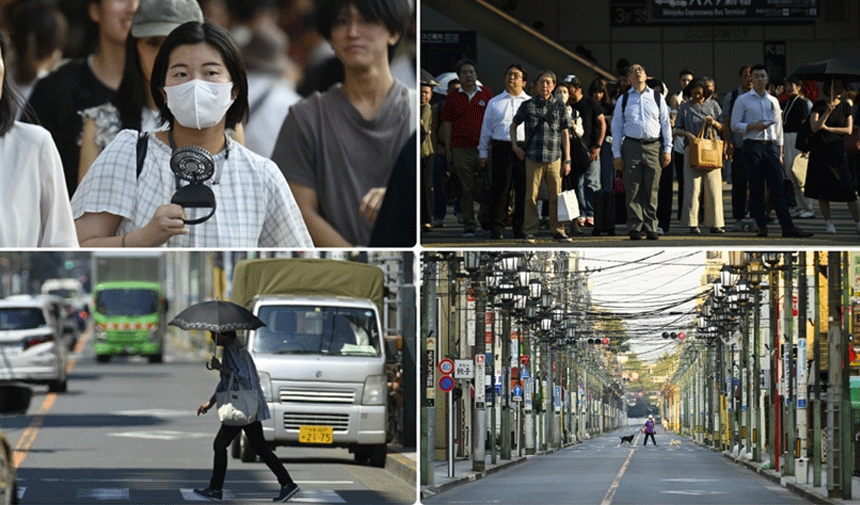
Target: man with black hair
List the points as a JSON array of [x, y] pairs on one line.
[[508, 172], [338, 149], [733, 147], [756, 116], [641, 148], [462, 118]]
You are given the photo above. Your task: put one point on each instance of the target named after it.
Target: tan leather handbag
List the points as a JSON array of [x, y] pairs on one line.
[[706, 153]]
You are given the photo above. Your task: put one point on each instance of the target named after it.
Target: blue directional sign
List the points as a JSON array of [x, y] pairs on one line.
[[518, 392], [525, 373]]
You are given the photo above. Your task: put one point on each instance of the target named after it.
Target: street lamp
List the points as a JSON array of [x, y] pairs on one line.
[[534, 289]]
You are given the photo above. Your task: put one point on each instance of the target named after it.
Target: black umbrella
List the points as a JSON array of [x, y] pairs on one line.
[[828, 70], [217, 316]]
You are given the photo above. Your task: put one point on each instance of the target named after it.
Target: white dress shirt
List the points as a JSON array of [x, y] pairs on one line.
[[643, 118], [497, 120], [752, 108]]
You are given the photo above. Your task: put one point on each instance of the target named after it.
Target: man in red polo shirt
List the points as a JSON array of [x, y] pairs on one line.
[[462, 118]]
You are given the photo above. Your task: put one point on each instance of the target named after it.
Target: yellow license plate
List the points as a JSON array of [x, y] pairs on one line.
[[315, 435]]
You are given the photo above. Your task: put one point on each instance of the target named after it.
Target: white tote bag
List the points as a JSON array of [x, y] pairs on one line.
[[568, 206], [237, 407]]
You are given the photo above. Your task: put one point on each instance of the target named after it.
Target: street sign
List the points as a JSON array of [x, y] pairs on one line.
[[446, 366], [518, 393], [463, 369], [524, 359], [480, 378], [527, 394], [524, 374], [446, 383]]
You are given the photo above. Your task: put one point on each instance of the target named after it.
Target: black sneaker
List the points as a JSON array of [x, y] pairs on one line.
[[209, 493], [287, 492]]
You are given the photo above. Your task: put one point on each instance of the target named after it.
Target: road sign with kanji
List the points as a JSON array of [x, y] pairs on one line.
[[464, 369]]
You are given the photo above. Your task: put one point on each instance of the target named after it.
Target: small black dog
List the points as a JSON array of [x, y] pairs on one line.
[[628, 439]]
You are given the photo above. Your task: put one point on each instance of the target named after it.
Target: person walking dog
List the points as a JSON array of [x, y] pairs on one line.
[[649, 430]]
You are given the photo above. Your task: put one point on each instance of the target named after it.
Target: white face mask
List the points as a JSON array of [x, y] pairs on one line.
[[199, 104]]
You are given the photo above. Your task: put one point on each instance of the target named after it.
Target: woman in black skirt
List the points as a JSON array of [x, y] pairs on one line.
[[827, 177]]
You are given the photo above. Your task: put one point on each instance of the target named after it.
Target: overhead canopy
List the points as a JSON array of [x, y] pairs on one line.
[[300, 276]]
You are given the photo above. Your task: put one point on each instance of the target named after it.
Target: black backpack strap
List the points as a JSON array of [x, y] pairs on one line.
[[142, 141]]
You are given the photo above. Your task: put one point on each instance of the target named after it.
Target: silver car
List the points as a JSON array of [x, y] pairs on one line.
[[30, 348]]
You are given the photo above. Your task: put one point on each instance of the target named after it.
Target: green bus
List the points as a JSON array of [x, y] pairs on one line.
[[129, 320]]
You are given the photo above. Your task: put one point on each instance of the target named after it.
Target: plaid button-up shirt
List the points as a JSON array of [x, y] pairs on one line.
[[545, 144], [255, 207]]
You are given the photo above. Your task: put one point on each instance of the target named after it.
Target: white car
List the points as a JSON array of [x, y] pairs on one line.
[[30, 348]]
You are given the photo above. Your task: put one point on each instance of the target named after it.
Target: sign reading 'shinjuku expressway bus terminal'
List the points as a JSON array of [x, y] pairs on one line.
[[662, 12]]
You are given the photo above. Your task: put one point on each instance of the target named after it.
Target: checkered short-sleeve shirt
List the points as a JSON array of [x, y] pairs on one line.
[[255, 207]]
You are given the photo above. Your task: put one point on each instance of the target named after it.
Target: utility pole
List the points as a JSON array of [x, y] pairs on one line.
[[788, 315], [428, 366], [479, 432], [816, 387], [802, 389], [835, 483]]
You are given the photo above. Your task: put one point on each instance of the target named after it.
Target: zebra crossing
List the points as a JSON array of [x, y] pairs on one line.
[[27, 494]]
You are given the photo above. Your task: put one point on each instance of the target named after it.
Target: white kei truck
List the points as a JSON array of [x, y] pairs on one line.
[[321, 355]]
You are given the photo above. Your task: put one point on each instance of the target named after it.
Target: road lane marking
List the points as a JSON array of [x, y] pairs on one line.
[[32, 431], [610, 494], [607, 500]]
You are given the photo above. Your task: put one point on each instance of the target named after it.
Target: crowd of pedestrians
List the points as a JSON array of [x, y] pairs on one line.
[[523, 145], [128, 91]]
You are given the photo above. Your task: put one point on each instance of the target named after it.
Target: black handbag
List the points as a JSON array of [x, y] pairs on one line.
[[804, 136], [580, 157]]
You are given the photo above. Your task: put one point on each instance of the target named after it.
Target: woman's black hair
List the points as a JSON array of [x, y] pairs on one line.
[[396, 15], [698, 82], [8, 101], [130, 96], [192, 33], [39, 29]]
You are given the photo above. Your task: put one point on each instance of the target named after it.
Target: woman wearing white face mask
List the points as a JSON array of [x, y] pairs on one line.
[[200, 88]]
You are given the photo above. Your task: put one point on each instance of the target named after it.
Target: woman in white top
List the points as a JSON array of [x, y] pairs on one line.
[[35, 207], [200, 87]]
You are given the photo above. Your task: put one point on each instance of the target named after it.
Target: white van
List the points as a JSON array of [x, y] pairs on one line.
[[321, 355]]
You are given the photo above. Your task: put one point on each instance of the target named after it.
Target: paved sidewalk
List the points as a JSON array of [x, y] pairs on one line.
[[808, 491], [403, 462]]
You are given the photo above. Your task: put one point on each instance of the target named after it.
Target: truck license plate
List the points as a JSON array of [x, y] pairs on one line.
[[315, 435]]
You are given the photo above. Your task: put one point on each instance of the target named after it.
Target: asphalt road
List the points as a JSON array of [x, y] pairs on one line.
[[600, 471], [127, 432]]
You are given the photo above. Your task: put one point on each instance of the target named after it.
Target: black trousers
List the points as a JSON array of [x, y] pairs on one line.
[[652, 439], [764, 168], [740, 178], [255, 435], [508, 172]]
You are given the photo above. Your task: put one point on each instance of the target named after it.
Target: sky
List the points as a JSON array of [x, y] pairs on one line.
[[652, 288]]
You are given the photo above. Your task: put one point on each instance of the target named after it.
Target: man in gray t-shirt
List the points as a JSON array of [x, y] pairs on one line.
[[326, 146], [337, 149]]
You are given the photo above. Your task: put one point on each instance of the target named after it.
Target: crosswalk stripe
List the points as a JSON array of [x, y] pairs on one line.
[[188, 495], [104, 493], [118, 494]]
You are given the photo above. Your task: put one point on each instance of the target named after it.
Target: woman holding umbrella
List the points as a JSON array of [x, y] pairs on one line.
[[827, 177], [236, 365]]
